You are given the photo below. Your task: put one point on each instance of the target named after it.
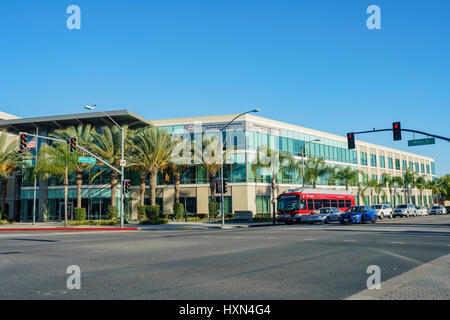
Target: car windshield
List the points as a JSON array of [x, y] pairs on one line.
[[355, 209], [325, 210], [402, 206], [377, 206], [435, 207], [291, 202]]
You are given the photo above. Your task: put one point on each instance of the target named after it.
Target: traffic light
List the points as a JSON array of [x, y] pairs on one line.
[[73, 144], [23, 142], [126, 186], [218, 187], [225, 186], [351, 140], [397, 130]]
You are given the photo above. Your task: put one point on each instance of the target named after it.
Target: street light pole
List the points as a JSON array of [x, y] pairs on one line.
[[122, 163], [221, 163]]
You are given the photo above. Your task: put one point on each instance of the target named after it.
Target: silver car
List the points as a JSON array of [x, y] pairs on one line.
[[438, 210], [404, 210], [325, 215]]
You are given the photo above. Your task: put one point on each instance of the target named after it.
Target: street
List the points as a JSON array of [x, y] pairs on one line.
[[277, 262]]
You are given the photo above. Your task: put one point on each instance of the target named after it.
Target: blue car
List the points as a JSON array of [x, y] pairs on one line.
[[358, 214]]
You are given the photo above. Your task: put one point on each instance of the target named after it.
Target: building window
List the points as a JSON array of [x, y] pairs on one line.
[[397, 164], [404, 165], [390, 163], [373, 160], [363, 159], [382, 162], [433, 172], [428, 169], [263, 205], [422, 168]]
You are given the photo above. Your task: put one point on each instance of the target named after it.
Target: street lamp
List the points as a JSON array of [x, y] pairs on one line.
[[303, 150], [122, 160], [221, 162]]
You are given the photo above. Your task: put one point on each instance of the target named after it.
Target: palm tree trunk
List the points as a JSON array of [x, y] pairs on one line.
[[177, 178], [79, 182], [153, 176], [212, 187], [66, 192], [114, 181], [3, 204], [142, 191]]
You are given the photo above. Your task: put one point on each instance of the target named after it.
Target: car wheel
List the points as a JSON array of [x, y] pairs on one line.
[[362, 220], [382, 216], [374, 219], [327, 221]]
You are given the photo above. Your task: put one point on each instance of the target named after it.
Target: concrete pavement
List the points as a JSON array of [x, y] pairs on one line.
[[281, 262]]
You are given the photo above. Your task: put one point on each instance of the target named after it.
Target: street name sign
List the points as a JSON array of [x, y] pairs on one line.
[[87, 160], [421, 142]]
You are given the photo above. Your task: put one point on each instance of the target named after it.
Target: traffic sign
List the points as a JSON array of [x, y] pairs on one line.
[[421, 142], [87, 160]]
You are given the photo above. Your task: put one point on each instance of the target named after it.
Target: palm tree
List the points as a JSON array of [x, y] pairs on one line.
[[409, 177], [56, 161], [316, 168], [211, 162], [152, 147], [397, 181], [84, 135], [362, 188], [10, 159], [374, 187], [420, 184], [387, 182], [275, 162], [107, 145], [346, 174]]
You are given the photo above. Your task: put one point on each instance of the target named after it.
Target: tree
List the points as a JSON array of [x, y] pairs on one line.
[[152, 150], [374, 187], [56, 161], [345, 174], [420, 184], [362, 187], [408, 178], [396, 182], [316, 168], [275, 162], [387, 182], [211, 161], [84, 135], [10, 159], [107, 145]]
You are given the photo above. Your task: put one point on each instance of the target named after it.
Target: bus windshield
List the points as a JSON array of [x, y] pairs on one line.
[[289, 203]]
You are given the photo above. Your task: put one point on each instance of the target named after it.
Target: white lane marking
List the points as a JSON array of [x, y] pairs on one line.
[[397, 242], [349, 240], [276, 238], [308, 239], [398, 256]]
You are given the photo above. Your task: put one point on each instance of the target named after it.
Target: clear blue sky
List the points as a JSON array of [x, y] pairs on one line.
[[312, 63]]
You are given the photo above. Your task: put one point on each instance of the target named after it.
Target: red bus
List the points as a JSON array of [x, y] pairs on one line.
[[304, 201]]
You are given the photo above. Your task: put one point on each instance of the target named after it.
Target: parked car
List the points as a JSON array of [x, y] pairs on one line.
[[325, 215], [422, 211], [383, 210], [358, 214], [448, 209], [435, 210], [404, 210]]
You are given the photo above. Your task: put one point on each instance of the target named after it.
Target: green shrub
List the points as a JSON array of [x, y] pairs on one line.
[[152, 212], [154, 222], [113, 212], [141, 213], [79, 214], [113, 222], [5, 222], [178, 211], [213, 210]]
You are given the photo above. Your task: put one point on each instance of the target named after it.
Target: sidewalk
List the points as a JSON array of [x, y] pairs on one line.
[[57, 226], [430, 281]]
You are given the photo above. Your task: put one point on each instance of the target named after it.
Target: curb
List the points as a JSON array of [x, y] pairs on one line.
[[68, 229]]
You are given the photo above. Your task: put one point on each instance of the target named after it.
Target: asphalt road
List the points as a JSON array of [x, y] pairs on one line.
[[279, 262]]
